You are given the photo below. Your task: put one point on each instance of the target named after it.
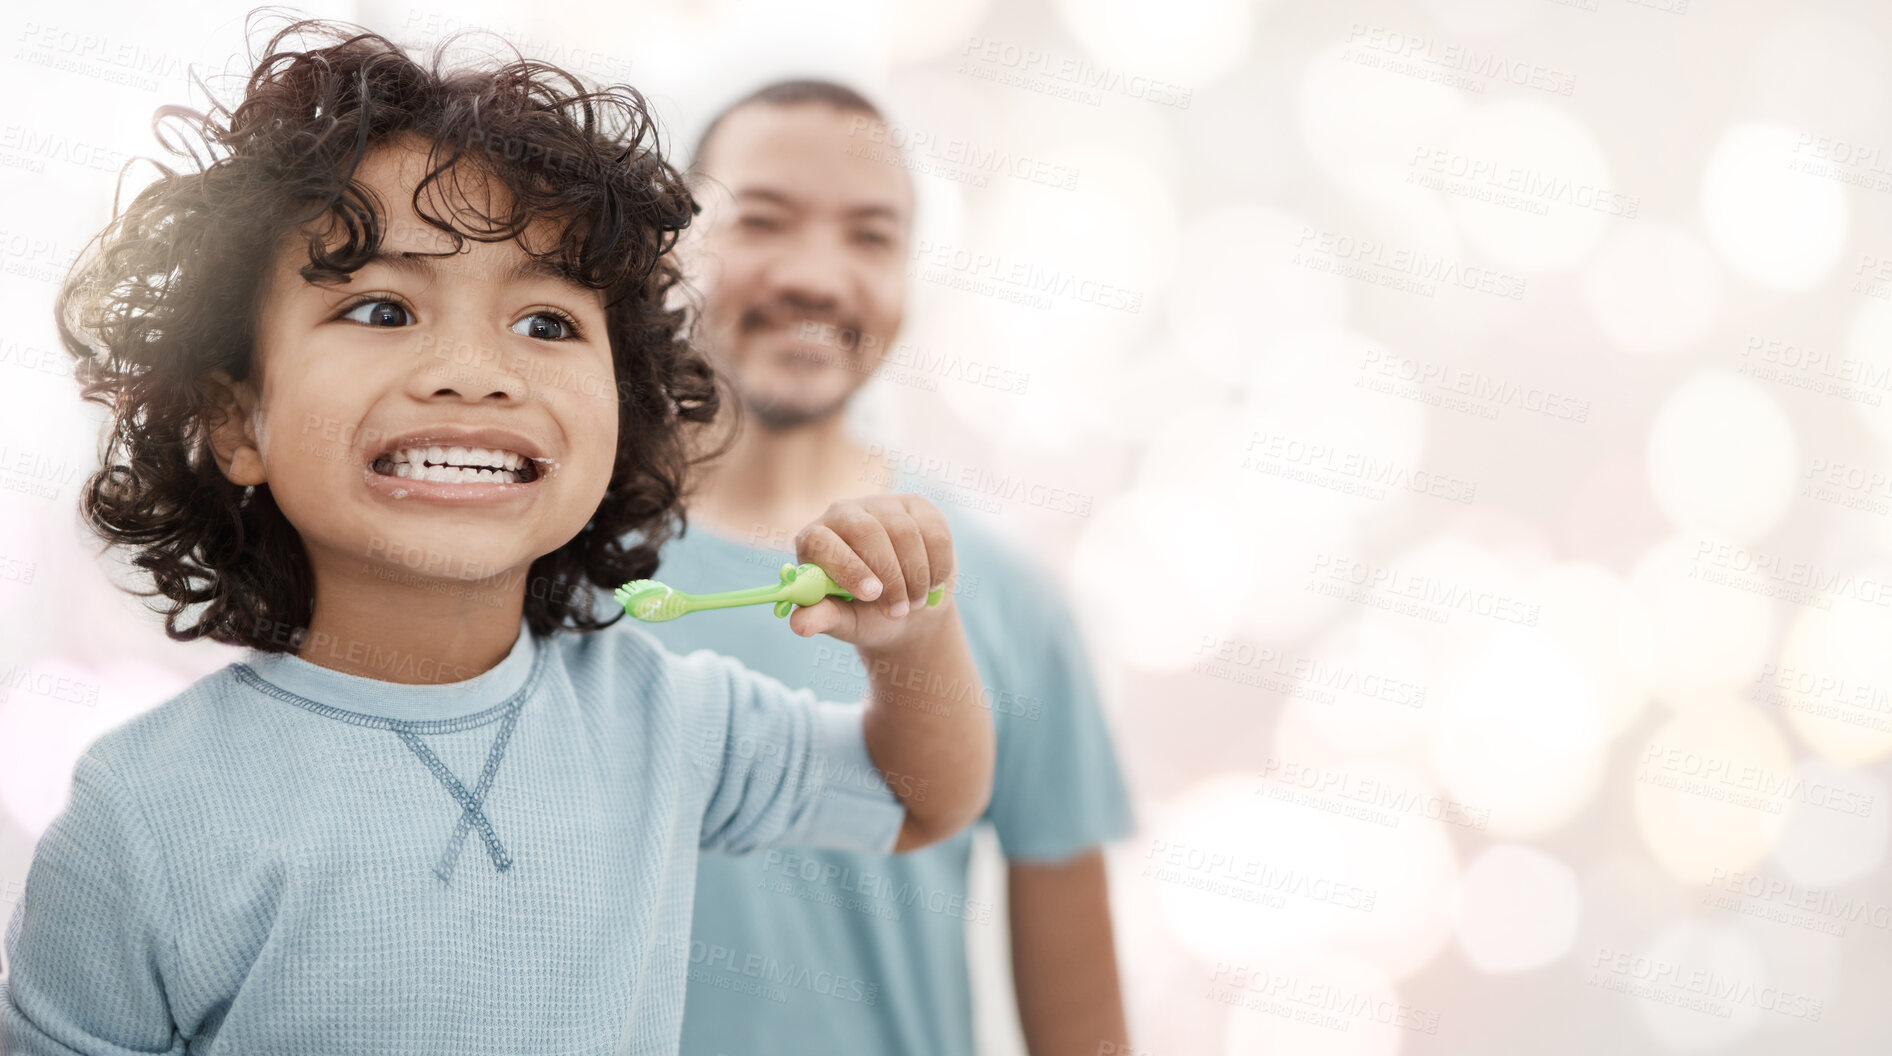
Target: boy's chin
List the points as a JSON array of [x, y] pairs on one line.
[[449, 561]]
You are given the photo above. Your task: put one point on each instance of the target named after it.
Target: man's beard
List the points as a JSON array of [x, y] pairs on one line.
[[782, 417], [776, 414]]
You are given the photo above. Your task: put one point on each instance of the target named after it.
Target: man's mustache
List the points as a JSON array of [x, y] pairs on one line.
[[840, 330]]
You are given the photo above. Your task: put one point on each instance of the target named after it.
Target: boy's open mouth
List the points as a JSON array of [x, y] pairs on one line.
[[457, 465]]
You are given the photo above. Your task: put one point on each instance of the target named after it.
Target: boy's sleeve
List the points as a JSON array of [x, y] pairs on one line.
[[88, 946], [1057, 789], [784, 769]]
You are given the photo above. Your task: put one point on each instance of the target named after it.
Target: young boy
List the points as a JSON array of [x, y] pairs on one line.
[[393, 382]]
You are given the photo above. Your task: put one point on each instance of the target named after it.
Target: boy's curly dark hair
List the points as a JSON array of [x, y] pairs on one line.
[[169, 291]]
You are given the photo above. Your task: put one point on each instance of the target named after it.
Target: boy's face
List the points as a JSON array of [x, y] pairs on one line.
[[803, 257], [368, 394]]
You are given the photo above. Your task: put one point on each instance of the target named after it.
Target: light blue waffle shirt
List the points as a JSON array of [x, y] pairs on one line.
[[288, 859]]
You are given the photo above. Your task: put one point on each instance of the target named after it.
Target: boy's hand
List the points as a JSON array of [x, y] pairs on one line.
[[886, 550]]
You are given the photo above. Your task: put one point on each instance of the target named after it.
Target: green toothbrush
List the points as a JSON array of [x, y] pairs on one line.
[[804, 584]]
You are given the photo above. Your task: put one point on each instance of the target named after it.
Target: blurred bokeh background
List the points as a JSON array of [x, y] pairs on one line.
[[1462, 426]]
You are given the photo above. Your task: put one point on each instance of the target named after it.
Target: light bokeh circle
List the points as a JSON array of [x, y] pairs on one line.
[[1775, 225], [1722, 457], [1712, 791], [1518, 909], [1654, 288]]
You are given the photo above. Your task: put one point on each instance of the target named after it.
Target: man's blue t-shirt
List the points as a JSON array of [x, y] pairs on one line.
[[893, 926]]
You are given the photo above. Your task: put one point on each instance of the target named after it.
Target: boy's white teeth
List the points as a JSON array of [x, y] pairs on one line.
[[456, 474], [457, 465], [471, 457]]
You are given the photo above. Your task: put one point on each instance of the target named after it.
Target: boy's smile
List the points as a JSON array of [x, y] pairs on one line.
[[448, 464], [441, 415]]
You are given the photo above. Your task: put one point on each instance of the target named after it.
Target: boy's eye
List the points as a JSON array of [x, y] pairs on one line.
[[543, 325], [378, 313]]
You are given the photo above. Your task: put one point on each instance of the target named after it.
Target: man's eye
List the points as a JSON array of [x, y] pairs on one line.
[[379, 313], [543, 325]]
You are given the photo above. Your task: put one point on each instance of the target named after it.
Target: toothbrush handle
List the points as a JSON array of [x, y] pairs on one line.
[[730, 599]]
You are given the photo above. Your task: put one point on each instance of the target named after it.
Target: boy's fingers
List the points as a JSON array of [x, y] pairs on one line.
[[910, 549], [823, 617], [870, 551], [821, 545], [869, 536], [939, 541]]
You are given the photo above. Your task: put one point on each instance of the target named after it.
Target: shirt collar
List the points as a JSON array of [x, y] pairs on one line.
[[401, 701]]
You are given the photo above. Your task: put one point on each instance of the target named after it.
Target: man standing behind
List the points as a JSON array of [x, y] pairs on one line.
[[802, 267]]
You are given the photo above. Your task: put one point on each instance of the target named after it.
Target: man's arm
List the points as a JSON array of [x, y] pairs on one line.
[[1064, 957]]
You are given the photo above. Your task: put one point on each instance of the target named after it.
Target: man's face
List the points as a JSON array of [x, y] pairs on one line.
[[373, 391], [801, 257]]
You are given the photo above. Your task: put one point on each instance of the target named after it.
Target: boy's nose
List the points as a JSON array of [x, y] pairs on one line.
[[455, 367]]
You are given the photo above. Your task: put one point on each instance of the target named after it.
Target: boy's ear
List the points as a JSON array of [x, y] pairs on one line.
[[232, 428]]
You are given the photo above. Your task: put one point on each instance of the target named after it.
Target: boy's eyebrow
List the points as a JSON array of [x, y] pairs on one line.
[[526, 268]]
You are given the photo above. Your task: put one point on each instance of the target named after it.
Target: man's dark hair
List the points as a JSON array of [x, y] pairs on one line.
[[787, 93], [169, 291]]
